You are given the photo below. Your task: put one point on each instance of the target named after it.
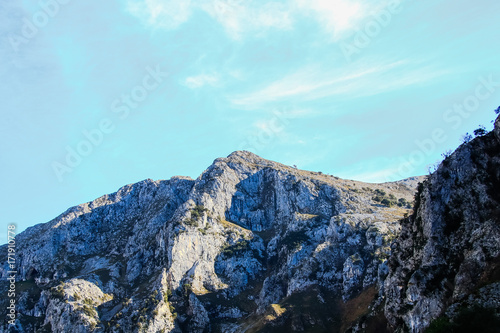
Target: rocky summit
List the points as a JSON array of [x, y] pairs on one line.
[[256, 246]]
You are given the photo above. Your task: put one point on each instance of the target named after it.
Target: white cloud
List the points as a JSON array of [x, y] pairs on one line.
[[238, 17], [340, 17], [375, 170], [201, 80], [336, 16], [313, 82], [167, 14], [309, 82], [379, 176], [298, 83]]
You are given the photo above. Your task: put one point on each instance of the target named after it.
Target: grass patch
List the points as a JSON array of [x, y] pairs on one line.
[[302, 307], [231, 225], [236, 249], [356, 307], [476, 319], [58, 292], [89, 310], [276, 311], [390, 200], [196, 213]]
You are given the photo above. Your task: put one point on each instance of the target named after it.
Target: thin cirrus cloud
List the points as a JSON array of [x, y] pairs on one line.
[[238, 17], [166, 14], [235, 16], [311, 83], [198, 81], [372, 176]]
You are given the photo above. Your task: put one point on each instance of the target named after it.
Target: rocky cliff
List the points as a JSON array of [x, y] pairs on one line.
[[226, 252], [256, 246], [447, 256]]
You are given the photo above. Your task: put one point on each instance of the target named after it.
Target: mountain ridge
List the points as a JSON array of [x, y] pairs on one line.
[[253, 245], [236, 156]]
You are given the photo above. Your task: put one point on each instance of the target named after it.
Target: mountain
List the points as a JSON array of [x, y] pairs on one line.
[[447, 257], [256, 246]]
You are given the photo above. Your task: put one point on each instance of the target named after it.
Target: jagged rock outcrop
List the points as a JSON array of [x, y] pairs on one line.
[[448, 252], [72, 305]]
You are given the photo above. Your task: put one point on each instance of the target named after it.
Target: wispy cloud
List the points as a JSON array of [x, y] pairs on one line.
[[304, 82], [201, 80], [337, 17], [238, 17], [167, 14], [313, 82], [375, 170], [380, 176]]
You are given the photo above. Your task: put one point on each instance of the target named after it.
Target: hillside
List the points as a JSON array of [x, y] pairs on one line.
[[256, 246]]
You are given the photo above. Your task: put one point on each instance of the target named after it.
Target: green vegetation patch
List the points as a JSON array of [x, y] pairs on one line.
[[390, 200], [236, 249], [58, 292], [476, 319], [295, 239], [196, 213]]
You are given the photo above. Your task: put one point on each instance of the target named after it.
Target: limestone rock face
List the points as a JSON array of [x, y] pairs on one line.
[[449, 248], [205, 254], [254, 245], [199, 316], [72, 306]]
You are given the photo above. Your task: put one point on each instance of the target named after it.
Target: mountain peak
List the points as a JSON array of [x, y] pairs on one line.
[[249, 157], [257, 245], [243, 154]]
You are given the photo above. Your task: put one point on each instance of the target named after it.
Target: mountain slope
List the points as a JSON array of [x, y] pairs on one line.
[[448, 254], [213, 254], [256, 246]]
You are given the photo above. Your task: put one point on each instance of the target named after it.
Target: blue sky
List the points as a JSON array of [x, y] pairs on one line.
[[99, 94]]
